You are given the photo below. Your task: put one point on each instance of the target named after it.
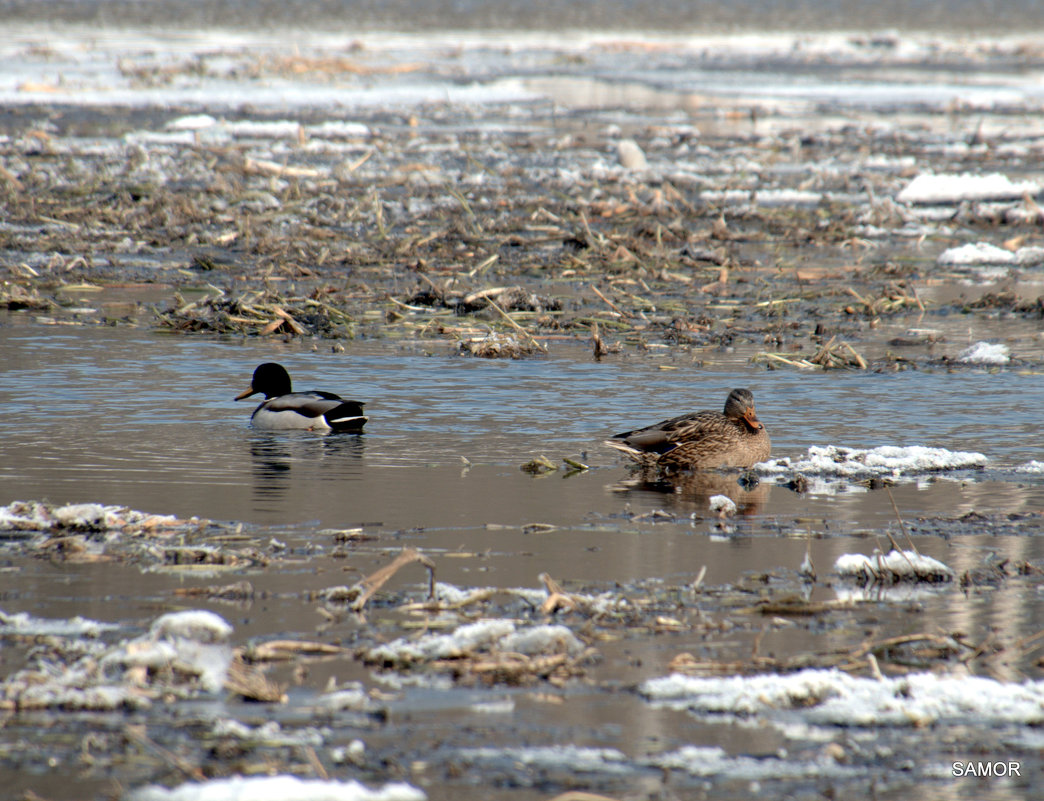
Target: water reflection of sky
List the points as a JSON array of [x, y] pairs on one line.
[[125, 416]]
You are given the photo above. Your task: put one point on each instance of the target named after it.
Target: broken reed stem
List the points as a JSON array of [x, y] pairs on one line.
[[599, 346], [587, 229], [485, 265], [902, 639], [879, 577], [1025, 643], [315, 764], [860, 298], [467, 209], [902, 526], [557, 598], [916, 297], [859, 359], [802, 363], [755, 647], [378, 213], [611, 305], [699, 578], [875, 669], [487, 293], [377, 579], [136, 734], [359, 161], [824, 352], [440, 293], [516, 326]]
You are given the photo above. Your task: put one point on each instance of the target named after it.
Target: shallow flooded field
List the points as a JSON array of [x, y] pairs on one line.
[[476, 597]]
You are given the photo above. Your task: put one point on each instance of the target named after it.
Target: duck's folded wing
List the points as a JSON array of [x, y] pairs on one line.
[[338, 410], [648, 439], [307, 404], [663, 437]]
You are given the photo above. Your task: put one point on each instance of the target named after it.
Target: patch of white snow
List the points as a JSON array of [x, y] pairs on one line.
[[985, 353], [953, 188]]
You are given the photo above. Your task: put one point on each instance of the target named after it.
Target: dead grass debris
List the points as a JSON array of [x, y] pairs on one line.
[[261, 313]]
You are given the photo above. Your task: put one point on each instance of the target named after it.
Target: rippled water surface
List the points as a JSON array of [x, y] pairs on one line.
[[127, 417]]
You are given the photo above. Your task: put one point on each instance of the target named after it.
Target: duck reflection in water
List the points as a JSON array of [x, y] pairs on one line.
[[282, 462], [692, 491]]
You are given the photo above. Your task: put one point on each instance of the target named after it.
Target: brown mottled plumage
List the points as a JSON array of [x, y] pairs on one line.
[[701, 440]]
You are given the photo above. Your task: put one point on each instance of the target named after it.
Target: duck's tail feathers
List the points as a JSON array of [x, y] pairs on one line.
[[348, 422], [630, 451]]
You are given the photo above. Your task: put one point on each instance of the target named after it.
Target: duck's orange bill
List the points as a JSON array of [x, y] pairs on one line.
[[752, 420], [246, 393]]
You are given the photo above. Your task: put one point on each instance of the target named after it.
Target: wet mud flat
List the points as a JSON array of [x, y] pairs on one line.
[[752, 239], [658, 217], [258, 661]]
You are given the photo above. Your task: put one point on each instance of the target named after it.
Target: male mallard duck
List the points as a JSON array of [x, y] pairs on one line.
[[283, 409], [701, 440]]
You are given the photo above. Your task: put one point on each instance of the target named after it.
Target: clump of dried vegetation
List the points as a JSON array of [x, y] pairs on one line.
[[487, 246]]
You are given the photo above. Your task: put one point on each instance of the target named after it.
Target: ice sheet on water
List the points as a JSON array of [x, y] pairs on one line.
[[192, 122], [269, 733], [545, 639], [876, 592], [192, 624], [85, 674], [1032, 256], [352, 696], [886, 460], [837, 698], [464, 640], [787, 197], [695, 760], [277, 788], [978, 253], [989, 261], [893, 566], [985, 353], [953, 188], [714, 761], [722, 504], [24, 623], [452, 594], [194, 639], [267, 129], [481, 636], [566, 757], [38, 516]]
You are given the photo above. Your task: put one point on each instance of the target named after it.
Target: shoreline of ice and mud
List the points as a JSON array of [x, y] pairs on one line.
[[495, 638]]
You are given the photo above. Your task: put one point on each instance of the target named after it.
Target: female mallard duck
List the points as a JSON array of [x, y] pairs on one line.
[[285, 410], [701, 440]]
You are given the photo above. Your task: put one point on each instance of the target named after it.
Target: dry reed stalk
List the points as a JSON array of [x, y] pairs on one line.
[[377, 579]]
